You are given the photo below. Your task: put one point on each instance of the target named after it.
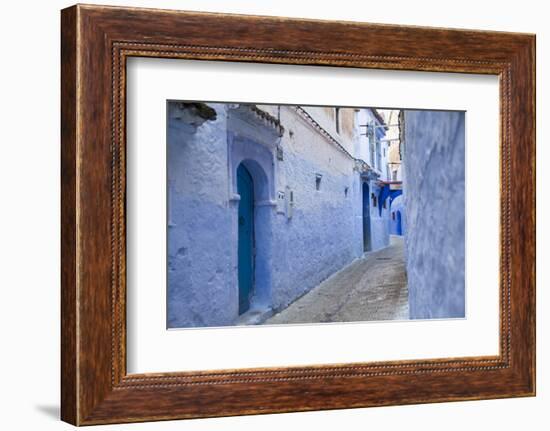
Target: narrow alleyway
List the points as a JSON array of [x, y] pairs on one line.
[[371, 288]]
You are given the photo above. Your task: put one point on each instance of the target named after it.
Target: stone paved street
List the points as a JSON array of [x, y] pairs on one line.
[[371, 288]]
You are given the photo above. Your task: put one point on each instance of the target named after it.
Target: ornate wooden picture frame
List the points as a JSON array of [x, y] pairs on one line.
[[96, 41]]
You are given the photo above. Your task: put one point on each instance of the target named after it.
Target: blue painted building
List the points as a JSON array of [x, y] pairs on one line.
[[265, 202]]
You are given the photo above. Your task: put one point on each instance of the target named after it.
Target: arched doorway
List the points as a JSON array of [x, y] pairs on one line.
[[366, 218], [246, 245], [253, 239]]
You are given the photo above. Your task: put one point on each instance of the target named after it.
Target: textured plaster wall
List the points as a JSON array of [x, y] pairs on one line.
[[201, 274], [319, 237], [398, 204], [434, 198], [298, 245]]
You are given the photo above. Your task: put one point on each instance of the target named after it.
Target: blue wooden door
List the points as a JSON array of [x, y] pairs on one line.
[[399, 228], [245, 188], [366, 218]]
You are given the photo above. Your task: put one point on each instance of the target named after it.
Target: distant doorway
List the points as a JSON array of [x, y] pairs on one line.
[[398, 229], [246, 258], [366, 218]]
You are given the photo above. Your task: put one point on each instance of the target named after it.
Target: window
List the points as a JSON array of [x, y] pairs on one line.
[[318, 178], [337, 119], [370, 136]]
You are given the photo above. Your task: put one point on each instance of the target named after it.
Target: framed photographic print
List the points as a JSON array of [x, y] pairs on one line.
[[259, 216]]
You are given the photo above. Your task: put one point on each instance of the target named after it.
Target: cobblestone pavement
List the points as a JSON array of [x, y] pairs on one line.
[[370, 288]]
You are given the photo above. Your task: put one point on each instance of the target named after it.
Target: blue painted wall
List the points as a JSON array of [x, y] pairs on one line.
[[200, 252], [320, 238], [434, 191], [379, 219]]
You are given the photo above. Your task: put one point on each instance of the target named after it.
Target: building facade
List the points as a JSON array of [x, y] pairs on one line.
[[265, 202], [393, 139], [394, 184]]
